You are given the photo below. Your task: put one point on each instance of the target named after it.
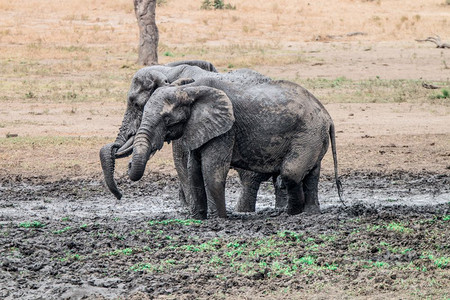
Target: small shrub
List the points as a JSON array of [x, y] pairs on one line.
[[216, 4], [30, 95], [445, 93], [161, 2]]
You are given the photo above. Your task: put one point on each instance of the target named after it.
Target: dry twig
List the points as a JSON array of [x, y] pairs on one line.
[[437, 40], [429, 86]]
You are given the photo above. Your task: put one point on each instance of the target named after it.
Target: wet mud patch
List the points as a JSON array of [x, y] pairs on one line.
[[71, 239]]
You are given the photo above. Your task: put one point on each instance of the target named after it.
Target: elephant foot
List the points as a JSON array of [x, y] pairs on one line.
[[294, 210], [244, 209], [199, 216], [245, 206], [312, 209]]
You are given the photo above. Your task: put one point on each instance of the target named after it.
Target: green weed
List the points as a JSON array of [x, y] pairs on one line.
[[126, 251], [33, 224], [71, 256], [62, 230], [290, 235], [154, 268], [305, 260], [440, 262], [399, 227], [445, 94]]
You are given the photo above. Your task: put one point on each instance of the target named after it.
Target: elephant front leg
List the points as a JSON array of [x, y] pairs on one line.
[[216, 159], [180, 159], [198, 199]]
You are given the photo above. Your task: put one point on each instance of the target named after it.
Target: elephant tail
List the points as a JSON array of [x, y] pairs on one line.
[[333, 150]]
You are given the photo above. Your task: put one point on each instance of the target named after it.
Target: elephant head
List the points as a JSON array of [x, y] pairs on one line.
[[143, 84], [193, 114]]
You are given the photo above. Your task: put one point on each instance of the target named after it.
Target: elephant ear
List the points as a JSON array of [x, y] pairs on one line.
[[211, 115]]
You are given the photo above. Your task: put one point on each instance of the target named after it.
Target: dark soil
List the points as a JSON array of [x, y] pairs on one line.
[[73, 240]]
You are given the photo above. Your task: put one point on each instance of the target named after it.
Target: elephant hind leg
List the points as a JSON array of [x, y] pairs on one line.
[[310, 188], [295, 168], [295, 196], [280, 192], [250, 182]]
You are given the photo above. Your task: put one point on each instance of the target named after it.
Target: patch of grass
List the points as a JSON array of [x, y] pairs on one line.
[[440, 262], [71, 256], [216, 4], [168, 53], [126, 251], [399, 227], [32, 224], [67, 228], [163, 266], [344, 90], [445, 94]]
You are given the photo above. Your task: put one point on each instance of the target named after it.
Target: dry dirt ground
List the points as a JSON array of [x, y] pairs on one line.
[[64, 72]]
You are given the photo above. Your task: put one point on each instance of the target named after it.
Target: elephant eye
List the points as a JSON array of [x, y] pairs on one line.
[[168, 120]]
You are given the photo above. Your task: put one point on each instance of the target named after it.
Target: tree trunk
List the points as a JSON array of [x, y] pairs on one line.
[[148, 32]]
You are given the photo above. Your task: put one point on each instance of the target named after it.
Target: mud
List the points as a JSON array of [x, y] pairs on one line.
[[73, 240]]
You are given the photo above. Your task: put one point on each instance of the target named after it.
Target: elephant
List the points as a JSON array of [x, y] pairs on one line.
[[144, 83], [272, 128]]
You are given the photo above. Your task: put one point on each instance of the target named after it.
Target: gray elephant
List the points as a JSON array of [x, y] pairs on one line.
[[144, 83], [264, 126]]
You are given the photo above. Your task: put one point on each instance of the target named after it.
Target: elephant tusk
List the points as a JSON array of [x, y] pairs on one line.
[[126, 149]]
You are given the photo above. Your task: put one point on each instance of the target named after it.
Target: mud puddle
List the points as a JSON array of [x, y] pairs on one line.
[[73, 240], [157, 195]]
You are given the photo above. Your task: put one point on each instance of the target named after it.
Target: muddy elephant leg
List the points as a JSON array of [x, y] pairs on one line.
[[280, 192], [250, 182], [295, 197], [216, 159], [198, 199], [293, 171], [180, 159], [310, 188]]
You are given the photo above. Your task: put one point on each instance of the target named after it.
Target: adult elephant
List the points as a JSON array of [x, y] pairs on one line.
[[143, 85], [273, 128]]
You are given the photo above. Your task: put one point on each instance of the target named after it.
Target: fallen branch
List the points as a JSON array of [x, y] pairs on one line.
[[430, 86], [437, 40]]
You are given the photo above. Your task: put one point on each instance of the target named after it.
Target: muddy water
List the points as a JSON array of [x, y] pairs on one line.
[[72, 252], [157, 196]]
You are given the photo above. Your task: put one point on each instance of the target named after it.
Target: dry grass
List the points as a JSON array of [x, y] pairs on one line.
[[68, 36], [65, 66]]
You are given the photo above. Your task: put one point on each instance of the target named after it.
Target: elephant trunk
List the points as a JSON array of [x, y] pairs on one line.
[[141, 154], [107, 159], [147, 141]]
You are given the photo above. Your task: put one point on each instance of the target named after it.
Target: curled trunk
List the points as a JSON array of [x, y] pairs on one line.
[[107, 159], [141, 153]]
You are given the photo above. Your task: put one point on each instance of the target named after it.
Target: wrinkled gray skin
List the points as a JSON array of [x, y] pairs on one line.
[[263, 126], [144, 83]]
